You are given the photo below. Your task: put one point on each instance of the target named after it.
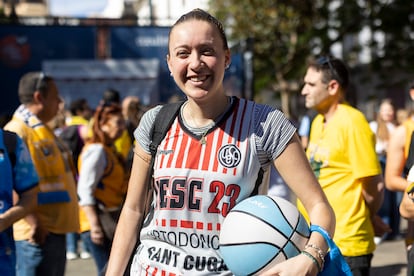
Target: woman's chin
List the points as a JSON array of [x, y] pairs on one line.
[[197, 93]]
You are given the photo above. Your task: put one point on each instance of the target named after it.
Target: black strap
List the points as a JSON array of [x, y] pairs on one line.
[[162, 123], [410, 158], [10, 140]]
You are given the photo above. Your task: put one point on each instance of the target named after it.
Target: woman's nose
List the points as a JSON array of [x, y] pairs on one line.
[[196, 61]]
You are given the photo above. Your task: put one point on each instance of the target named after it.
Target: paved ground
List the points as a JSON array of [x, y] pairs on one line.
[[80, 267], [389, 260]]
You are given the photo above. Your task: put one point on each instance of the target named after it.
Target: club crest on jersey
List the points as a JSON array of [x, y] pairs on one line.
[[229, 156]]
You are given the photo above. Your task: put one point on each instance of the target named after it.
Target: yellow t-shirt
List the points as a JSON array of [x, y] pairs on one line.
[[123, 144], [341, 153]]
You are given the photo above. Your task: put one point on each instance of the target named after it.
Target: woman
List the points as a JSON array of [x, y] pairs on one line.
[[208, 162], [101, 185], [383, 126]]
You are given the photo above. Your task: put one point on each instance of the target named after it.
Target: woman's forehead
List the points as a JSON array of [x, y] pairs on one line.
[[195, 30]]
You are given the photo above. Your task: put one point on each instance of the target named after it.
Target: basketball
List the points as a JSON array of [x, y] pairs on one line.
[[260, 232]]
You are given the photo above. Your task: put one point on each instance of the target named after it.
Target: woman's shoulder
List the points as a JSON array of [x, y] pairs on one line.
[[152, 112], [93, 149]]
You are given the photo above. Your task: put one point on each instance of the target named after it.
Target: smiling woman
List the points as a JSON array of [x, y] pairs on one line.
[[217, 152]]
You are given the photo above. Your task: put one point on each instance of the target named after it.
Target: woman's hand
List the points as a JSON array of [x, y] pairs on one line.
[[296, 266], [97, 234]]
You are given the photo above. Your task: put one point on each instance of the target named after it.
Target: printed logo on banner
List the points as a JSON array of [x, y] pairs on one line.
[[14, 51]]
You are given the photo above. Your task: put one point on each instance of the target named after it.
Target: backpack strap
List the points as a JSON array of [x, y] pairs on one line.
[[10, 141], [162, 123], [410, 158]]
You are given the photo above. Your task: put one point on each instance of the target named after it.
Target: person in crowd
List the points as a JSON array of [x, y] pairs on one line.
[[102, 183], [109, 96], [18, 175], [74, 134], [41, 235], [402, 115], [305, 126], [80, 112], [399, 161], [132, 111], [211, 158], [382, 127], [342, 154], [123, 143], [58, 123]]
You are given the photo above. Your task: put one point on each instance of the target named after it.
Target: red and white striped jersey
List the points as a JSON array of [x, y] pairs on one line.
[[198, 179]]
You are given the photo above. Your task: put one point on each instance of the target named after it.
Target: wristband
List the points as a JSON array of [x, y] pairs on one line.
[[319, 251], [310, 256]]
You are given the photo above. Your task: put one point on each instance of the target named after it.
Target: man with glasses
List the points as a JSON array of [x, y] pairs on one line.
[[342, 154], [40, 236]]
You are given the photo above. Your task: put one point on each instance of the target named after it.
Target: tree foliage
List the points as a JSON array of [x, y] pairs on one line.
[[280, 33], [286, 33]]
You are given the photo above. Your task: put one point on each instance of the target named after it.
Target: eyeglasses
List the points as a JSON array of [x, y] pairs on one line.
[[40, 81], [327, 60]]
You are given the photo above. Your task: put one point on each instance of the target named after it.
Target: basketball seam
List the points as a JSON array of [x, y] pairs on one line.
[[282, 249], [277, 230]]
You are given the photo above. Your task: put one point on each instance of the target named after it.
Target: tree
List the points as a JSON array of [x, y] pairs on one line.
[[281, 30], [286, 33]]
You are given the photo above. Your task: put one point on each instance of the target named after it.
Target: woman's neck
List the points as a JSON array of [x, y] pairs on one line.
[[202, 114]]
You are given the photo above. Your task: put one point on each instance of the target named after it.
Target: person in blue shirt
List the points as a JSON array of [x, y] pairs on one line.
[[18, 186]]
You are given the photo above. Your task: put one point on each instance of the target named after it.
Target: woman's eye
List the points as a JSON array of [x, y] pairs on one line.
[[182, 54], [208, 52]]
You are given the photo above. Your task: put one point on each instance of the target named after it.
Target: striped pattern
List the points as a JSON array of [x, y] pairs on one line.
[[197, 184]]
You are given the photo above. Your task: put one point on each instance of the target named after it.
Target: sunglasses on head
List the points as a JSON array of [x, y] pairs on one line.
[[323, 60], [40, 81]]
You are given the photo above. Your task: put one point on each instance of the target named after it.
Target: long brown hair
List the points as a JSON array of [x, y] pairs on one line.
[[382, 129], [102, 114]]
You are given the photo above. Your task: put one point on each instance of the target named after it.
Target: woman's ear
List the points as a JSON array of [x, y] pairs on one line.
[[227, 59], [168, 59]]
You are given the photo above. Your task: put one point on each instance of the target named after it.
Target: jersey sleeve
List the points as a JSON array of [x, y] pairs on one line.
[[273, 131], [24, 171], [142, 133]]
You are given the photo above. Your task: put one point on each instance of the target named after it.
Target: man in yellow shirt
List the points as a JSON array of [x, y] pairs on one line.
[[341, 151], [40, 236]]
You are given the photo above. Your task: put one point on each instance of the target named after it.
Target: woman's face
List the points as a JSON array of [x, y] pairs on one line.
[[114, 126], [386, 112], [197, 58]]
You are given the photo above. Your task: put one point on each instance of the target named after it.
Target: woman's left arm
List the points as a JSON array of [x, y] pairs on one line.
[[90, 173], [295, 169]]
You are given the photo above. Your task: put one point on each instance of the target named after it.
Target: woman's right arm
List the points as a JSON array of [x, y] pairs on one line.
[[132, 214], [394, 167]]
